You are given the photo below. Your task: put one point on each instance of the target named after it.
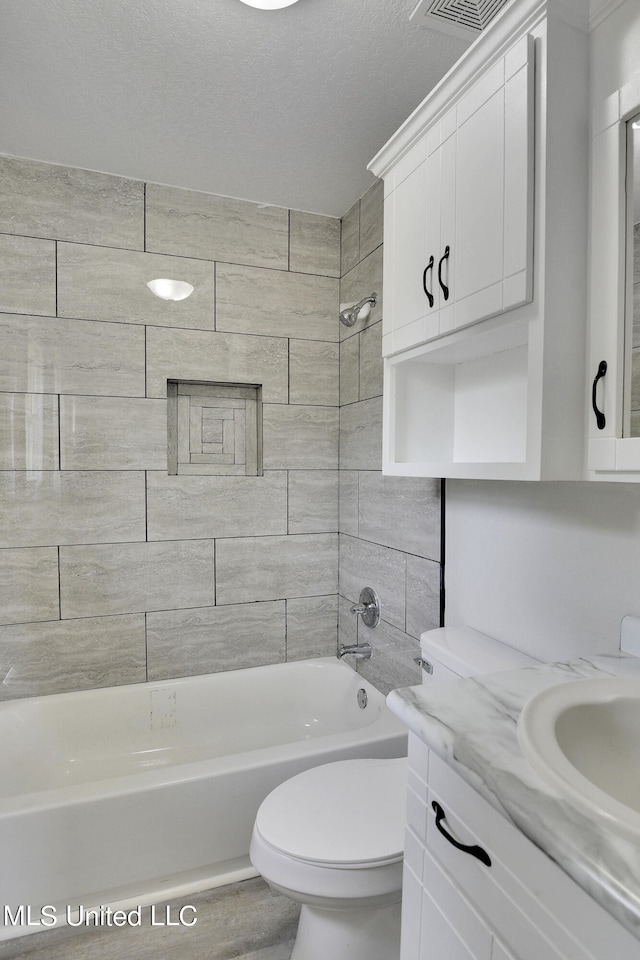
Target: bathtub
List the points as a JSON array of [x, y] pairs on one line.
[[134, 794]]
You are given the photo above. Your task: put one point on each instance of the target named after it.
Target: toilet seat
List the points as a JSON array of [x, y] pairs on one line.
[[343, 815]]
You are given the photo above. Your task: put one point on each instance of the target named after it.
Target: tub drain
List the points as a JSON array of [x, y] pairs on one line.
[[362, 698]]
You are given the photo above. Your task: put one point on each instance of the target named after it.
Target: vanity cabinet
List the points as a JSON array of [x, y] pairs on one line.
[[519, 906], [614, 346], [485, 258]]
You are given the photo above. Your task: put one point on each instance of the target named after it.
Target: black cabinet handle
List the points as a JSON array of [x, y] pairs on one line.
[[445, 256], [472, 849], [428, 267], [600, 418]]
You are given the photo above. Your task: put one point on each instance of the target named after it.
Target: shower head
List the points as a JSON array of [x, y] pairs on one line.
[[357, 311]]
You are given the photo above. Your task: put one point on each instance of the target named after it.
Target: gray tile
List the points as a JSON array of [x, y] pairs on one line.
[[392, 663], [216, 358], [349, 502], [45, 509], [312, 627], [298, 437], [423, 595], [361, 281], [29, 585], [65, 203], [313, 501], [276, 303], [314, 244], [361, 435], [371, 219], [57, 656], [314, 372], [101, 580], [45, 355], [27, 275], [347, 623], [98, 283], [183, 507], [636, 253], [273, 568], [28, 431], [371, 366], [364, 564], [401, 512], [350, 370], [183, 643], [192, 224], [350, 239], [113, 433]]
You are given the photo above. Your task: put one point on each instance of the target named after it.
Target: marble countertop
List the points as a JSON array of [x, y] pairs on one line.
[[475, 732]]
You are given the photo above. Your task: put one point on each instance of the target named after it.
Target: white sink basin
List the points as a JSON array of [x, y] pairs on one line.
[[583, 738]]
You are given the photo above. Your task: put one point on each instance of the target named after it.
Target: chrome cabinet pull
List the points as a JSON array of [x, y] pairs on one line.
[[600, 418], [428, 267], [473, 849]]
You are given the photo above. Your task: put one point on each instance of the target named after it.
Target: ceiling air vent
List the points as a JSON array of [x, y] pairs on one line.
[[460, 18]]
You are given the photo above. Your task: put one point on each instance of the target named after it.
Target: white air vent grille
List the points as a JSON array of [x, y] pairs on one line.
[[461, 18]]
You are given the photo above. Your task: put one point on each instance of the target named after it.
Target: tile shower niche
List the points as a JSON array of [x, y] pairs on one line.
[[214, 429]]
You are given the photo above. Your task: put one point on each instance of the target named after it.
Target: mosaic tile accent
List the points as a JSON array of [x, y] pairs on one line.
[[214, 429]]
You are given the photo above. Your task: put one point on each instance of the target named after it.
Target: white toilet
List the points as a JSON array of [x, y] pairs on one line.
[[332, 838]]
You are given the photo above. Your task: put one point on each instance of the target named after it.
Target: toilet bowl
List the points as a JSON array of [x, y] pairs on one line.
[[332, 839]]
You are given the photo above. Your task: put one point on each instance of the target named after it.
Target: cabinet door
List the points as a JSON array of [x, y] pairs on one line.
[[493, 249]]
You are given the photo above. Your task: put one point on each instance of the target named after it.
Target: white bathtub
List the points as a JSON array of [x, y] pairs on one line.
[[133, 794]]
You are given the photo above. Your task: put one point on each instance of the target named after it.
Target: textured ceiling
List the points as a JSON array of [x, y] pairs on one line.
[[284, 107]]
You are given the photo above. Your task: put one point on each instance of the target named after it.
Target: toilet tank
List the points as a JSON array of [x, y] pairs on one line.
[[453, 652]]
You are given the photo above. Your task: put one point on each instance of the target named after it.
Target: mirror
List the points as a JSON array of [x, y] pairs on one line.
[[632, 299]]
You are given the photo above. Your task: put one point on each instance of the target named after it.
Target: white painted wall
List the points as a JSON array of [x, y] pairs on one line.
[[552, 567]]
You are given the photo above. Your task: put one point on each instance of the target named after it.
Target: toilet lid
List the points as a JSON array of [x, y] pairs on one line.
[[349, 812]]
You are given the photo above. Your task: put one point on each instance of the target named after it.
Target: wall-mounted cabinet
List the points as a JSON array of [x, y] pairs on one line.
[[485, 258], [614, 348]]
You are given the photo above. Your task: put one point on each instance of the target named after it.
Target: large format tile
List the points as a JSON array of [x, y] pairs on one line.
[[276, 303], [371, 366], [113, 433], [348, 507], [423, 595], [350, 238], [183, 643], [364, 564], [300, 437], [29, 585], [184, 507], [45, 509], [27, 275], [28, 431], [273, 568], [314, 245], [313, 501], [66, 203], [314, 372], [393, 662], [350, 370], [45, 355], [371, 219], [104, 579], [98, 283], [217, 358], [347, 623], [401, 512], [361, 281], [361, 435], [192, 224], [312, 627], [58, 656]]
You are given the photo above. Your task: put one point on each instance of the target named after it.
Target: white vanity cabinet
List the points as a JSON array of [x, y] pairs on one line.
[[520, 907], [485, 258]]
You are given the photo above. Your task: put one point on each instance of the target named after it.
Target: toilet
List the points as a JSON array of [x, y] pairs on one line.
[[332, 838]]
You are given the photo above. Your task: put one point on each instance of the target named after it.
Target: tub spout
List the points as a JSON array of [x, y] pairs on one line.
[[361, 651]]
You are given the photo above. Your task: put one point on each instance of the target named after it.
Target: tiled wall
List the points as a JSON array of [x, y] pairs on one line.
[[389, 526], [111, 571]]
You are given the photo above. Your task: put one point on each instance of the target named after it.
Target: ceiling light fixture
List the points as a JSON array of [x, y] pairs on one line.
[[170, 289], [269, 4]]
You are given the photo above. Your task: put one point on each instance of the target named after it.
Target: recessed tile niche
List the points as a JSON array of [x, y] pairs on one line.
[[214, 429]]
